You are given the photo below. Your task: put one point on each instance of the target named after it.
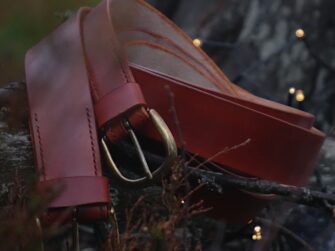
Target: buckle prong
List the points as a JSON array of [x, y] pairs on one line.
[[169, 145], [138, 149]]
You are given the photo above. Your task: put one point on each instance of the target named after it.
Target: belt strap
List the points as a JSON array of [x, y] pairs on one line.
[[114, 91], [278, 150], [72, 85], [213, 113], [61, 75], [62, 119]]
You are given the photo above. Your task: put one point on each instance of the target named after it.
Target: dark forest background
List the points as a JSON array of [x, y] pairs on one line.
[[254, 43]]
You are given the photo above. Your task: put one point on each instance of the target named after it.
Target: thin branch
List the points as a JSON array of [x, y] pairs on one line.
[[300, 195]]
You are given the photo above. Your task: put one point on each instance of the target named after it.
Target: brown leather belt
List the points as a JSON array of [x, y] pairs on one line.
[[79, 80], [79, 85]]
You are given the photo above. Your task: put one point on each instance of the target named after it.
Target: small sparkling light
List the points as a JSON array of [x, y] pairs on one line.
[[256, 237], [38, 222], [257, 229], [299, 33], [300, 96], [182, 202], [292, 90], [197, 42]]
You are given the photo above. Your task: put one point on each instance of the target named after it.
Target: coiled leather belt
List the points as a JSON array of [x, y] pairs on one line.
[[79, 79], [73, 87]]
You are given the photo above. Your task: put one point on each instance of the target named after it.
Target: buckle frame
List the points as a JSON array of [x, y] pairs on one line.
[[170, 150]]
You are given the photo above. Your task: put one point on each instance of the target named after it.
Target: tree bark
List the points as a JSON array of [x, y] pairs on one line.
[[16, 157]]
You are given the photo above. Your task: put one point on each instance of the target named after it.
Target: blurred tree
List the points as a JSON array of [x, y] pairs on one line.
[[23, 23]]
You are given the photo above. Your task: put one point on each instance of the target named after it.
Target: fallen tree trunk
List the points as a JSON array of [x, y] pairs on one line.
[[16, 157]]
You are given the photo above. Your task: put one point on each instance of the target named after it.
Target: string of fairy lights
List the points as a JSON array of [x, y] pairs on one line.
[[295, 98], [257, 235]]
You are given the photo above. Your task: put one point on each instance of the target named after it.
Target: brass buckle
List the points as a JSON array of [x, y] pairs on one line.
[[169, 145]]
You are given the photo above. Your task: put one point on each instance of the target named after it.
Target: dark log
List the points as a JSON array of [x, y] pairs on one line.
[[16, 157]]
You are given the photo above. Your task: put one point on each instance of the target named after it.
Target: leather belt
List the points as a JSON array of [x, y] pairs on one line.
[[62, 121], [79, 80], [213, 112], [79, 85], [278, 150]]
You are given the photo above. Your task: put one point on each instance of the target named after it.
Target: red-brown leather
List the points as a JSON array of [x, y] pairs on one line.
[[278, 150], [62, 119], [90, 213], [166, 56], [213, 112], [71, 86], [115, 94], [78, 77]]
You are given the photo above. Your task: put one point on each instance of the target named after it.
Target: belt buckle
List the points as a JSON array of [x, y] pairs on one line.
[[169, 145]]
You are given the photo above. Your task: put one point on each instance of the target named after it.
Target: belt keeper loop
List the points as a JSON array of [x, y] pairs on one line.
[[118, 102]]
